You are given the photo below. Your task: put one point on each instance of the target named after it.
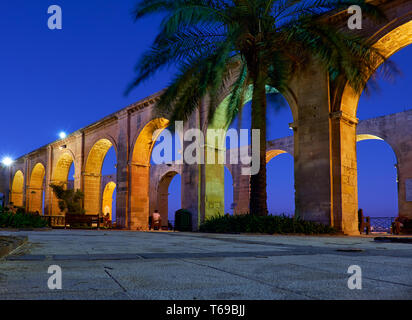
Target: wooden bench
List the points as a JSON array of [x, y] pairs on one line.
[[88, 219], [55, 221]]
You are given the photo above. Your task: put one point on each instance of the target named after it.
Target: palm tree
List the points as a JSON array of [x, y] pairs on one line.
[[258, 43]]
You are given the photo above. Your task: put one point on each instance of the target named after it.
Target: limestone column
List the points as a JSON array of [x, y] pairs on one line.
[[122, 170], [26, 191], [405, 179], [47, 189], [214, 180], [191, 182], [241, 191], [344, 173], [312, 143], [78, 161]]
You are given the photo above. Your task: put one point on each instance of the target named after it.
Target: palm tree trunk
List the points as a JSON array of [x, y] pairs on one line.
[[258, 195]]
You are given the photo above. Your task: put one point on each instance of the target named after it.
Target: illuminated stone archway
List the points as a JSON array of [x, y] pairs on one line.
[[389, 185], [271, 158], [17, 187], [389, 44], [344, 123], [60, 177], [107, 201], [92, 176], [140, 174], [35, 190], [270, 154]]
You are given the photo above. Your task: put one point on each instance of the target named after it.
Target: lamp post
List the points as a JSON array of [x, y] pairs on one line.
[[7, 162]]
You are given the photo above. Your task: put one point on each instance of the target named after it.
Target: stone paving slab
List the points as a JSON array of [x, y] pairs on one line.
[[9, 243], [143, 265]]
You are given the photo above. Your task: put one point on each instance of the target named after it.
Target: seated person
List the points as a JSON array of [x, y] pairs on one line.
[[397, 225], [107, 222], [156, 220]]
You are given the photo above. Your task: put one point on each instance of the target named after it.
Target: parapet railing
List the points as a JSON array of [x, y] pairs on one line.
[[381, 224]]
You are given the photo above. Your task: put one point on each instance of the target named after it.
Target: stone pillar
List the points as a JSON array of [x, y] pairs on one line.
[[344, 173], [138, 218], [191, 183], [26, 191], [312, 145], [405, 178], [122, 170], [78, 161], [26, 176], [214, 181], [241, 191], [35, 199], [92, 199], [163, 201], [47, 190]]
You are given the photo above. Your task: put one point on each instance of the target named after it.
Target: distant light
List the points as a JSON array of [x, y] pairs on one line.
[[7, 161], [62, 135]]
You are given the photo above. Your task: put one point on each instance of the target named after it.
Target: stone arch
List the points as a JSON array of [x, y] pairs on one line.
[[92, 175], [140, 173], [391, 38], [162, 195], [107, 201], [389, 43], [36, 187], [104, 137], [60, 176], [366, 137], [17, 189], [270, 154]]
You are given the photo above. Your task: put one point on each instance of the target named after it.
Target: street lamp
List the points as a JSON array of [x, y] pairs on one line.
[[7, 161], [62, 135]]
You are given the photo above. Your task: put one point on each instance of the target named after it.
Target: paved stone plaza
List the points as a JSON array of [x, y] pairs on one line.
[[141, 265]]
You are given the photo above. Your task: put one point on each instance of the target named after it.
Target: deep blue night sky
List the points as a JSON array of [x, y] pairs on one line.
[[53, 80]]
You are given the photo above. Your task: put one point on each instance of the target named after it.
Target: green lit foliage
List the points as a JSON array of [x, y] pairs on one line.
[[263, 224], [70, 201], [21, 220]]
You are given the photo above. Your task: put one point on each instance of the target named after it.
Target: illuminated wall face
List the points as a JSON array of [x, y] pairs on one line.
[[60, 176], [107, 201], [17, 189], [344, 152], [163, 196], [389, 44], [140, 174], [35, 191], [92, 176]]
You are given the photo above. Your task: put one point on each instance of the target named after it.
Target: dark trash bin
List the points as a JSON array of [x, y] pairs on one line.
[[183, 220]]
